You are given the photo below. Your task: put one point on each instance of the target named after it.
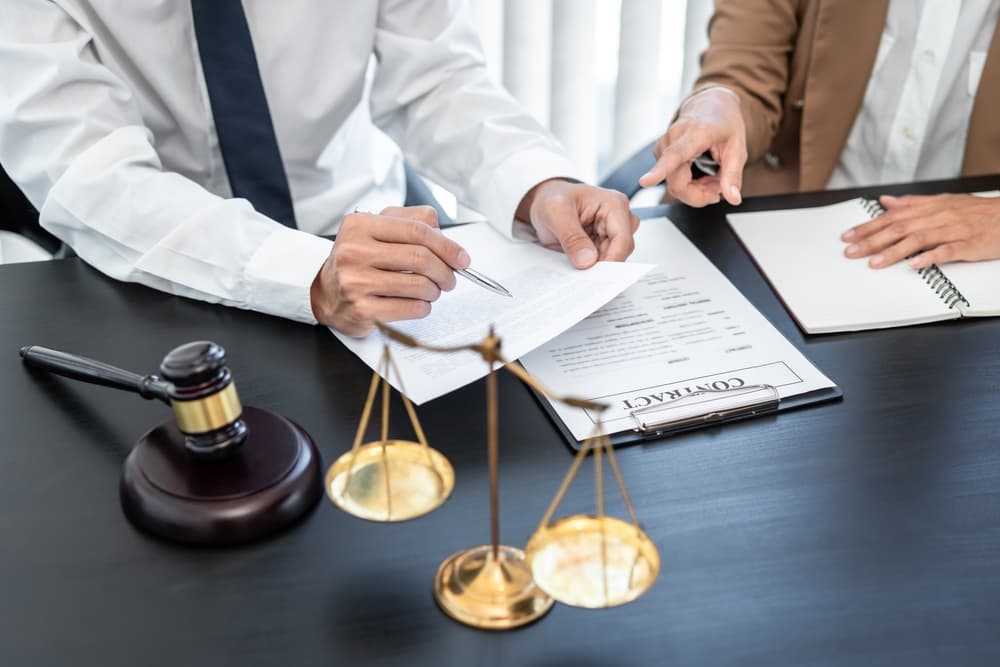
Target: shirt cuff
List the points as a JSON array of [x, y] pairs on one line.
[[513, 178], [281, 272]]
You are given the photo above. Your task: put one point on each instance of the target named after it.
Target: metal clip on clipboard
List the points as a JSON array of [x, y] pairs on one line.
[[700, 408]]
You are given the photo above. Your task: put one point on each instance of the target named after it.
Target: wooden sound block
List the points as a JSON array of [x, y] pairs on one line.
[[269, 482]]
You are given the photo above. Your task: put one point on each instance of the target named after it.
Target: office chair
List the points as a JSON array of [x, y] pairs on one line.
[[17, 215], [625, 178], [419, 194]]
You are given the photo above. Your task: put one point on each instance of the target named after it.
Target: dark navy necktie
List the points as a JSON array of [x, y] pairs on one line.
[[239, 106]]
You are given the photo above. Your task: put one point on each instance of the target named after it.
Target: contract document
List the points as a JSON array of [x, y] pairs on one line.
[[682, 336], [549, 296]]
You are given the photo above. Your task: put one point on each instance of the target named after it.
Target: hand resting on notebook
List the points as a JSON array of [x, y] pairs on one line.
[[929, 229]]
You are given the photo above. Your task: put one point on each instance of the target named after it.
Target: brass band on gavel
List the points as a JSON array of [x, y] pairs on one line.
[[209, 413]]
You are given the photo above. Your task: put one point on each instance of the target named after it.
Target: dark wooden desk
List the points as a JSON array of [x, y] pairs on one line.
[[863, 532]]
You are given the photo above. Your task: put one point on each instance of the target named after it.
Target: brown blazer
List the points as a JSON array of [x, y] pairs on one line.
[[801, 68]]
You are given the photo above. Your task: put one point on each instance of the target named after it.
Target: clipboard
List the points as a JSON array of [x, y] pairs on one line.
[[698, 409], [683, 329]]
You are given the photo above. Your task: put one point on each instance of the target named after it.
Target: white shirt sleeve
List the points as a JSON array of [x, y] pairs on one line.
[[71, 136], [433, 95]]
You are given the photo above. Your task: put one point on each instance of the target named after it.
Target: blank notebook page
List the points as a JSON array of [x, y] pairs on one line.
[[979, 282], [800, 252]]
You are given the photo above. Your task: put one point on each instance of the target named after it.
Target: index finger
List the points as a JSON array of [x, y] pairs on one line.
[[875, 225], [676, 155], [416, 232], [425, 214]]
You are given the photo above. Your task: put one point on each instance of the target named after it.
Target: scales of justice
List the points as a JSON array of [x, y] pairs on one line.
[[584, 560]]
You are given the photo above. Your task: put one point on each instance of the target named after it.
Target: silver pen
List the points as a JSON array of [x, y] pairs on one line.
[[707, 164], [484, 281]]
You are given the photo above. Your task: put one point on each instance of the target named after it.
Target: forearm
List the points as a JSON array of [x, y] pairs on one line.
[[135, 222], [72, 138], [750, 46]]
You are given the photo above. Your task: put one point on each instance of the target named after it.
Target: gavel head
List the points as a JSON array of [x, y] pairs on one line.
[[204, 399]]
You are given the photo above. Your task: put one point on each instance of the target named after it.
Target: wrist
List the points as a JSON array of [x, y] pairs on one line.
[[713, 90], [523, 211], [318, 298]]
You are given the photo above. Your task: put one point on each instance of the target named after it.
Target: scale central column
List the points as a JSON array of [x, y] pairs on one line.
[[490, 586]]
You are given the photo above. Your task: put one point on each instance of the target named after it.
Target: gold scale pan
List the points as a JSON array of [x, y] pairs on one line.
[[581, 560], [389, 480]]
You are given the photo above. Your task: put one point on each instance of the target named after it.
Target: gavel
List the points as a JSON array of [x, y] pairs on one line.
[[219, 473]]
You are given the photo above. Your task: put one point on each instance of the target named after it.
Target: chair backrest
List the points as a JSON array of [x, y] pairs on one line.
[[419, 194], [19, 216], [625, 177]]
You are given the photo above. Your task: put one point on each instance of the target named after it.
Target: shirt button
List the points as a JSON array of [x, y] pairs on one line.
[[930, 56], [909, 133]]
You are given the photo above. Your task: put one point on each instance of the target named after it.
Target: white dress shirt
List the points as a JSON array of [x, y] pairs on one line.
[[106, 126], [914, 119]]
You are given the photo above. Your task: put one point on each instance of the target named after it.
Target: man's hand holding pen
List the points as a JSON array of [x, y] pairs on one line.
[[388, 266]]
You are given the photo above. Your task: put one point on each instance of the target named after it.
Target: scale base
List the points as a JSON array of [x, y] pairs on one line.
[[489, 593], [269, 482]]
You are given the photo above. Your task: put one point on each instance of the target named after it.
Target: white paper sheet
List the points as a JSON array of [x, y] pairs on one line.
[[550, 296], [682, 328]]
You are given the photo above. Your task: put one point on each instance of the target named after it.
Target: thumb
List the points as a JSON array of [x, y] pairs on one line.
[[579, 248], [731, 175], [575, 242]]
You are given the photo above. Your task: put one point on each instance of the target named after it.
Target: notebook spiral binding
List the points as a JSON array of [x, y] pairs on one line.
[[872, 207], [932, 275], [942, 286]]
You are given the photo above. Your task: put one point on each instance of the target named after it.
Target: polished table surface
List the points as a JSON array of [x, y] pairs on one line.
[[861, 532]]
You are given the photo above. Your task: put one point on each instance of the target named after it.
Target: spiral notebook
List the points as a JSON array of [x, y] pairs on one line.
[[802, 256]]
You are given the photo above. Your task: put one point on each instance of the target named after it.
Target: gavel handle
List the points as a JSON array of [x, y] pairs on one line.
[[96, 372]]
